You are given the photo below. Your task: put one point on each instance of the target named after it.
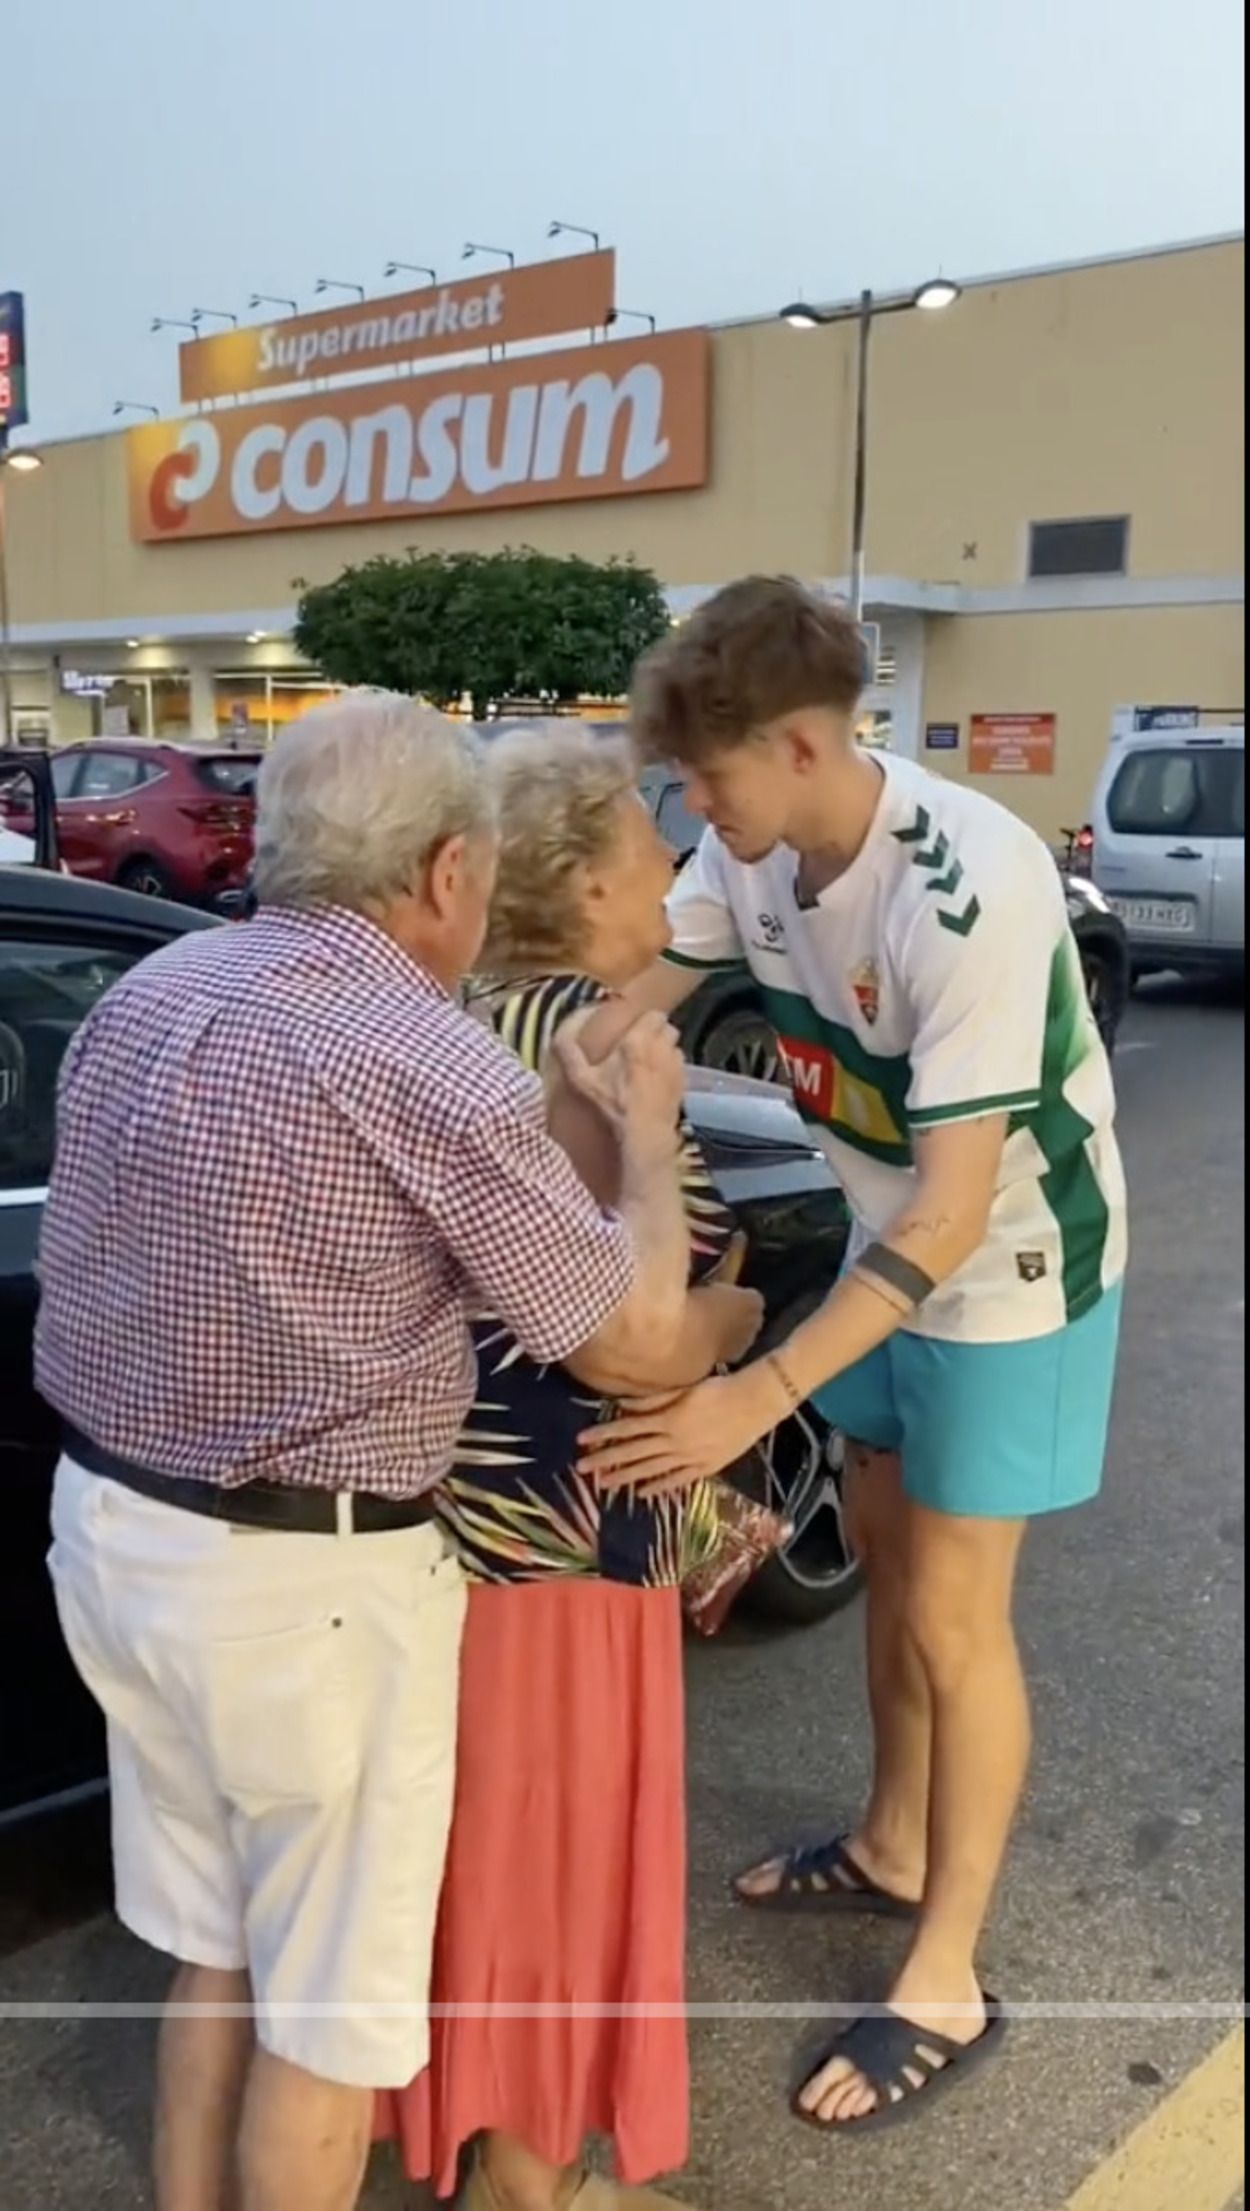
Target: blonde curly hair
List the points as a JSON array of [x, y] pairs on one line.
[[559, 789]]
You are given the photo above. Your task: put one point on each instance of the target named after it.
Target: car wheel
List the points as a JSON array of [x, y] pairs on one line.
[[798, 1470], [1106, 990], [148, 877], [739, 1041]]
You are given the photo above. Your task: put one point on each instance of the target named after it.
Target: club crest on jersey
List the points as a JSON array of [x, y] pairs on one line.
[[866, 990]]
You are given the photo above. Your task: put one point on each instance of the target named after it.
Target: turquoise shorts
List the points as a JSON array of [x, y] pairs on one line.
[[989, 1431]]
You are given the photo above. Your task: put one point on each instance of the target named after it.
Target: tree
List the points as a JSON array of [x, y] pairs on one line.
[[497, 626]]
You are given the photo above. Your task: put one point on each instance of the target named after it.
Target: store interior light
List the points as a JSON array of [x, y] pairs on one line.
[[936, 295], [132, 644], [257, 637]]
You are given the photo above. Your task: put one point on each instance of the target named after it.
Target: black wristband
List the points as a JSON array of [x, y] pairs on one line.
[[903, 1275]]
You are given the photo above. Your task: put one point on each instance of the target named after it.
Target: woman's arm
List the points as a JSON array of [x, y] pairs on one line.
[[721, 1321]]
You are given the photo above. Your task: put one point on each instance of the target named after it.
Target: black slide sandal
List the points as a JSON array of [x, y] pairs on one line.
[[825, 1878], [887, 2049]]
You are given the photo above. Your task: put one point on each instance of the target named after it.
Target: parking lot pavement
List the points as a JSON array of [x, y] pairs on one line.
[[1124, 1887]]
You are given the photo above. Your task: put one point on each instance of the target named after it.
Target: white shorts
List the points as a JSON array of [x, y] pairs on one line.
[[282, 1732]]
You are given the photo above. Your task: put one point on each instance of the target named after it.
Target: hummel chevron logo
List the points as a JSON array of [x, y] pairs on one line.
[[962, 925], [937, 857], [945, 884], [919, 829]]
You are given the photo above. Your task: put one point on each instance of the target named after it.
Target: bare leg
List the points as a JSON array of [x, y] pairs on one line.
[[890, 1845], [304, 2142], [960, 1588], [201, 2068], [520, 2181]]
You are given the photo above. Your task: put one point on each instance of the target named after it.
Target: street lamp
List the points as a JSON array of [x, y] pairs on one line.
[[573, 230], [502, 253], [135, 407], [270, 299], [336, 284], [930, 298], [630, 314], [410, 268], [24, 461]]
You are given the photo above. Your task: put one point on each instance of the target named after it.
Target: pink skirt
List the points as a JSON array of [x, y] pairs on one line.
[[565, 1887]]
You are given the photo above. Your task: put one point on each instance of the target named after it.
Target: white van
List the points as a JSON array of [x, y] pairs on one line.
[[1169, 846]]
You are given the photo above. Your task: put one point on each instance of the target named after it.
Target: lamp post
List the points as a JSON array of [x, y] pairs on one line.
[[25, 462], [930, 299]]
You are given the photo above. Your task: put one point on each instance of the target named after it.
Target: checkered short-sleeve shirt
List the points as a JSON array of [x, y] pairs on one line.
[[289, 1169]]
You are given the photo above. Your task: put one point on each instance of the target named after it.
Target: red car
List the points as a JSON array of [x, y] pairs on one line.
[[172, 820]]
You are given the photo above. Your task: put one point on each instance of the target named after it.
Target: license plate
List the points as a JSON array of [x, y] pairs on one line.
[[1164, 917]]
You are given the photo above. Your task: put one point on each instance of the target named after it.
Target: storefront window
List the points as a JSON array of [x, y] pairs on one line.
[[171, 707], [250, 707], [241, 708]]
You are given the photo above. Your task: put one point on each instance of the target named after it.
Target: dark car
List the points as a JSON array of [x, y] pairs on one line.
[[62, 943], [724, 1024], [174, 821]]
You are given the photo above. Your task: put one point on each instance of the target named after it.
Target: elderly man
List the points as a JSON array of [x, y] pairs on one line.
[[288, 1169]]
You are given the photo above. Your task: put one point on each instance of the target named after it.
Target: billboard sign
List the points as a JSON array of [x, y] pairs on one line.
[[600, 422], [545, 299], [14, 409]]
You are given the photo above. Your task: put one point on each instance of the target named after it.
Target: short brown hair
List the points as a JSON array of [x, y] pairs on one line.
[[762, 647]]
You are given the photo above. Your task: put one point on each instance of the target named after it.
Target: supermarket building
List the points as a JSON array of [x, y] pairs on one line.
[[1055, 526]]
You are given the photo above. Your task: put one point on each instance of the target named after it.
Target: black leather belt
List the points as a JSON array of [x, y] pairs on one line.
[[252, 1504]]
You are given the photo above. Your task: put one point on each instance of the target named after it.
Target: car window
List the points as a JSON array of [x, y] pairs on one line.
[[108, 775], [46, 991], [235, 774], [65, 768], [1166, 792]]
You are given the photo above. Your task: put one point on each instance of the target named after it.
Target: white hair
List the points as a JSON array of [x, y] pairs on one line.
[[354, 798]]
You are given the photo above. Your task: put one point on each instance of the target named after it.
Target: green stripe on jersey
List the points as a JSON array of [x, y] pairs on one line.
[[1070, 1186], [860, 1097]]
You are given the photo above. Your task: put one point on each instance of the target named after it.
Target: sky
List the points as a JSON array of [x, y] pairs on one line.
[[157, 158]]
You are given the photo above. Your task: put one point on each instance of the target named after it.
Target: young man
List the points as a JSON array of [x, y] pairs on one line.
[[911, 942]]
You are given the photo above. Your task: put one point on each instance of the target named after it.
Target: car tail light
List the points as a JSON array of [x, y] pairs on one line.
[[230, 817]]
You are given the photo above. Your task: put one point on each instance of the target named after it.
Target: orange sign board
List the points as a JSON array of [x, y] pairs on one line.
[[596, 423], [1012, 744], [544, 300]]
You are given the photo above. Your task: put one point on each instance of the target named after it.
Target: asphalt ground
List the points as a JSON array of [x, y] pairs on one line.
[[1118, 1937]]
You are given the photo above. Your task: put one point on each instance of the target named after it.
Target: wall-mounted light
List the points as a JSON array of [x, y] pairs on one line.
[[573, 230], [502, 253]]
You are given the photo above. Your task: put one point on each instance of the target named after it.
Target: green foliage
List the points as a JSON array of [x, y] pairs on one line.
[[497, 626]]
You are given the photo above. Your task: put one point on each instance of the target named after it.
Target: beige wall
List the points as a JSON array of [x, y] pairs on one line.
[[1079, 667], [1115, 389]]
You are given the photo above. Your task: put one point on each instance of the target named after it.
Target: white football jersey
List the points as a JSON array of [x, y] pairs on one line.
[[937, 980]]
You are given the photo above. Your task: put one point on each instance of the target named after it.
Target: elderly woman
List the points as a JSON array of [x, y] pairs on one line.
[[565, 1894]]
